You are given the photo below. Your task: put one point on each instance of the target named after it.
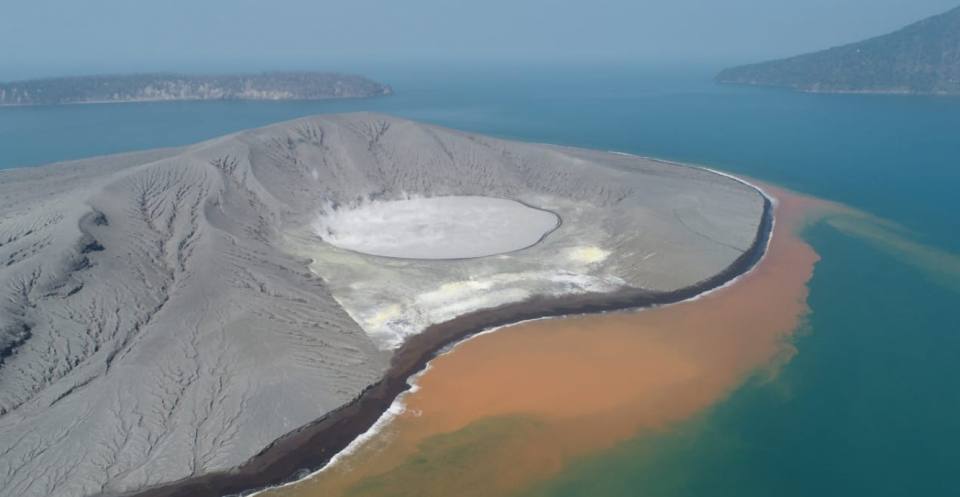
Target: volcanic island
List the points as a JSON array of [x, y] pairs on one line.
[[225, 316]]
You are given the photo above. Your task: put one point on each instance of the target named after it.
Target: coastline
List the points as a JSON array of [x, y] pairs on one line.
[[837, 91], [174, 100], [311, 447], [192, 100]]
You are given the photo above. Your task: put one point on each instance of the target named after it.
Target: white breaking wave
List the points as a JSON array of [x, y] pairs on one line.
[[397, 407]]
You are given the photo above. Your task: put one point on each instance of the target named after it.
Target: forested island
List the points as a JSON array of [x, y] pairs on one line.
[[172, 87], [923, 58]]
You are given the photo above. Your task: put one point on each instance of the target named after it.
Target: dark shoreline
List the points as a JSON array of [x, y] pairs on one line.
[[312, 446]]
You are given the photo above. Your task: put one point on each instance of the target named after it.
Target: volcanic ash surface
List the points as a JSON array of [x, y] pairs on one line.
[[167, 314]]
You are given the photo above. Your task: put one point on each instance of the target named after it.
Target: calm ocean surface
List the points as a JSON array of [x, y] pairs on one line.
[[869, 406]]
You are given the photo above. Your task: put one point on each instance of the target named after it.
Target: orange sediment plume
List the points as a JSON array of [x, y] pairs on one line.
[[508, 409]]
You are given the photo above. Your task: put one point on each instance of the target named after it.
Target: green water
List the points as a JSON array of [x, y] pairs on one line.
[[871, 403]]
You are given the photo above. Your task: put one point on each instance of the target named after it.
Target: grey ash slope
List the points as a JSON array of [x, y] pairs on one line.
[[155, 325], [153, 331], [922, 58]]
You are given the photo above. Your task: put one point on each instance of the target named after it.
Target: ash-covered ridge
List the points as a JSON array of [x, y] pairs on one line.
[[168, 314]]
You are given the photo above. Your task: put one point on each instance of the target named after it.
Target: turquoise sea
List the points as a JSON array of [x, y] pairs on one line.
[[871, 403]]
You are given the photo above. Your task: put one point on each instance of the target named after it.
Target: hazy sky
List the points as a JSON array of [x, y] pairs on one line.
[[41, 37]]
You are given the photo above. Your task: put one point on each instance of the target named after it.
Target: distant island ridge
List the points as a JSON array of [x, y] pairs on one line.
[[152, 87], [922, 58]]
